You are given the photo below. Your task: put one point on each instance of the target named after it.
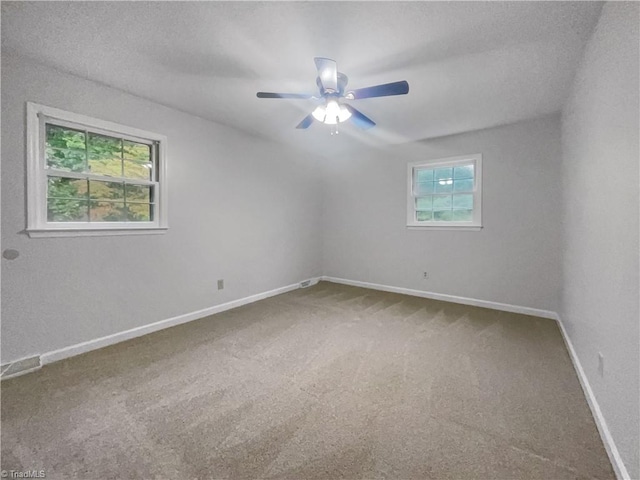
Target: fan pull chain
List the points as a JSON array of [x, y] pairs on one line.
[[334, 128]]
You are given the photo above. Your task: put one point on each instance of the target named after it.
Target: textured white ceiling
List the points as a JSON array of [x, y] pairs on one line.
[[470, 65]]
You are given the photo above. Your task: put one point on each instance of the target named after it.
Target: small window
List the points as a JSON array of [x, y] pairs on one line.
[[445, 193], [91, 177]]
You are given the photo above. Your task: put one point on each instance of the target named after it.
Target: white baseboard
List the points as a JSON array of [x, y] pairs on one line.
[[73, 350], [20, 367], [448, 298], [21, 372], [609, 445]]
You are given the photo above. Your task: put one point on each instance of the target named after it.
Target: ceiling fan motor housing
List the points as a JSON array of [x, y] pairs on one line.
[[342, 83]]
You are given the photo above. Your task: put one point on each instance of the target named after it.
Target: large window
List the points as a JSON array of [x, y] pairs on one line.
[[445, 193], [88, 176]]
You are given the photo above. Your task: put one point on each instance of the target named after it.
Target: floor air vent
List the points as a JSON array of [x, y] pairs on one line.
[[305, 284]]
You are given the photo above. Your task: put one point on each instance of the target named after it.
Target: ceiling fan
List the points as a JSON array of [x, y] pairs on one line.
[[331, 84]]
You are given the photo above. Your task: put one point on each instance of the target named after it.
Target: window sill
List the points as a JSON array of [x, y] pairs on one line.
[[474, 228], [96, 232]]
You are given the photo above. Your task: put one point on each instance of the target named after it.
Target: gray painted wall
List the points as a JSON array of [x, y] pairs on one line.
[[240, 208], [600, 219], [514, 259]]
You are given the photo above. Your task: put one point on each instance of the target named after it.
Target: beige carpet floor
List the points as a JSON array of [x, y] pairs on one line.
[[320, 383]]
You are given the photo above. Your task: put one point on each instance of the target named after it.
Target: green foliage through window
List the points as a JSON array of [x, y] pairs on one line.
[[88, 199]]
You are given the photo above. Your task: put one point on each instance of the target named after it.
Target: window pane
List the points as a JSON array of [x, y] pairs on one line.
[[443, 216], [465, 171], [106, 190], [65, 159], [424, 216], [110, 167], [105, 155], [137, 169], [66, 210], [442, 202], [107, 212], [423, 188], [463, 201], [444, 185], [67, 188], [136, 151], [463, 185], [424, 175], [138, 193], [463, 215], [424, 203], [65, 138], [103, 147], [140, 212], [444, 174]]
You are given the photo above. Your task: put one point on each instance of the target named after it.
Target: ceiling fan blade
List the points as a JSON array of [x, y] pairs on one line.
[[282, 95], [385, 90], [327, 73], [306, 122], [359, 119]]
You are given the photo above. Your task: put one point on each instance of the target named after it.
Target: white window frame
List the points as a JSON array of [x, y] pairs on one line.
[[476, 222], [37, 172]]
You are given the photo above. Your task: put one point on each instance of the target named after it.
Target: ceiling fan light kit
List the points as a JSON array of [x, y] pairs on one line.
[[332, 113], [331, 85]]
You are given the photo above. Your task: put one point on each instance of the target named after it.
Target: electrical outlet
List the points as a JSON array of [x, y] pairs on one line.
[[220, 284], [601, 364], [425, 275]]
